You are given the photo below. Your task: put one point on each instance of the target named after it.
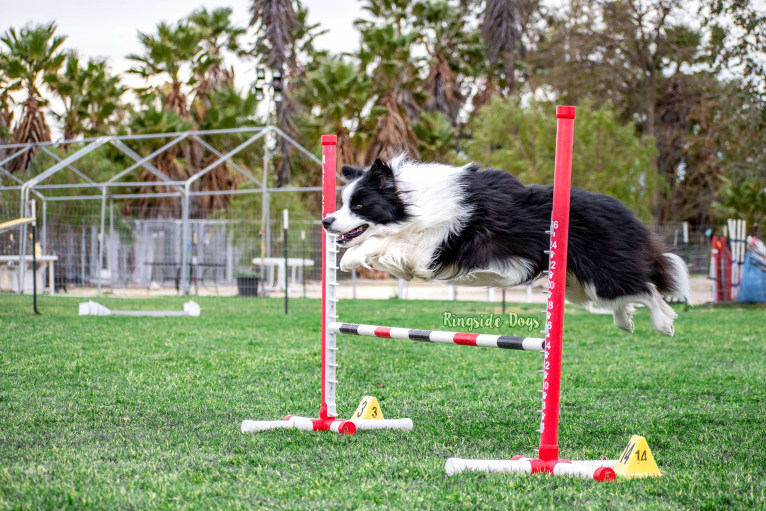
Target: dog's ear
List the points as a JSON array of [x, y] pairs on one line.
[[382, 175], [350, 172]]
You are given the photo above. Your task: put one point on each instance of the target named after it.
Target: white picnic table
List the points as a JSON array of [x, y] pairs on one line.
[[9, 272], [277, 282]]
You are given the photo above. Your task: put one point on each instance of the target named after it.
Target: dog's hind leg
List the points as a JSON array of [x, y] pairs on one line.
[[658, 311], [667, 309], [623, 317]]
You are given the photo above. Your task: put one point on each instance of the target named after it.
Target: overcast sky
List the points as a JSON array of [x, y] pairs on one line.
[[107, 28]]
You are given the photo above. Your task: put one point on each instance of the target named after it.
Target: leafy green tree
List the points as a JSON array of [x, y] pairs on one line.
[[745, 199], [436, 137], [737, 41], [32, 54], [608, 156]]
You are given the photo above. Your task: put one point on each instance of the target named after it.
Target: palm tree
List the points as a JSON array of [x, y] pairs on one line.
[[70, 86], [277, 23], [32, 56], [454, 51], [6, 112], [103, 109], [217, 34], [91, 97], [340, 93], [153, 120], [165, 53], [226, 109], [502, 25], [385, 55]]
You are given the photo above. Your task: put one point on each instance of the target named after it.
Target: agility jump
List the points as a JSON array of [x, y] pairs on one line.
[[548, 452]]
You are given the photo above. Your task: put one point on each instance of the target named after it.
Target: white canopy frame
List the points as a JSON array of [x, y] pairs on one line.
[[182, 189]]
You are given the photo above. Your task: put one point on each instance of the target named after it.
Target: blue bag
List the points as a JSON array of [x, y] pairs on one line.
[[752, 287]]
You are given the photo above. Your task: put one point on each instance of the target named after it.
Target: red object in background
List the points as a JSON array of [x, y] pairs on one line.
[[722, 262]]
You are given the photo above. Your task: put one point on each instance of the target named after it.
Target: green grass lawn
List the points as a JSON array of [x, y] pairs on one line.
[[139, 413]]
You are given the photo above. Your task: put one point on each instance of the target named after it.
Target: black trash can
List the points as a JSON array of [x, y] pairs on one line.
[[247, 285]]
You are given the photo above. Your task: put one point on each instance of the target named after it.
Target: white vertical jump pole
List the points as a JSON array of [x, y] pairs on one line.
[[328, 418]]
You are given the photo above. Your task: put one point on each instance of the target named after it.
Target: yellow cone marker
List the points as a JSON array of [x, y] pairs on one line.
[[368, 409], [637, 460]]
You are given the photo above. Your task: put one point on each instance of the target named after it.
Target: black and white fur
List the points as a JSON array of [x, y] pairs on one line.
[[484, 228]]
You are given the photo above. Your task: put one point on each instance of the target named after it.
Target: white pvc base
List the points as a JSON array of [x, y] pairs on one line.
[[91, 308], [300, 423], [585, 468], [307, 424], [370, 424]]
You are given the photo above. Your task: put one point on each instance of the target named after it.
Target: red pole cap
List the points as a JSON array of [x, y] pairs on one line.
[[562, 112], [329, 140]]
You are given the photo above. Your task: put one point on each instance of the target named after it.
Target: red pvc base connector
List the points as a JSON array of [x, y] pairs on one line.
[[340, 426]]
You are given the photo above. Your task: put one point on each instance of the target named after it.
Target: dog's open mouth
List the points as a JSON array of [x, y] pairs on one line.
[[353, 233]]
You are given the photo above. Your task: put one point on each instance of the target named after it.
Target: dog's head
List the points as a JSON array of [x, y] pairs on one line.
[[370, 204]]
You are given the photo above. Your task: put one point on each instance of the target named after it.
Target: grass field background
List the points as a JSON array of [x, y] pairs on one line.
[[141, 413]]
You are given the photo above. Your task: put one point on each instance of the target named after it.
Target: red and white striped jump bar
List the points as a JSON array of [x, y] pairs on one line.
[[412, 334], [598, 470]]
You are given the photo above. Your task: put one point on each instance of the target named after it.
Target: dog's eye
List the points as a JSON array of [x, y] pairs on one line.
[[356, 207]]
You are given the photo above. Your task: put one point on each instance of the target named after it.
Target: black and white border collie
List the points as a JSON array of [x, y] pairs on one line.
[[484, 228]]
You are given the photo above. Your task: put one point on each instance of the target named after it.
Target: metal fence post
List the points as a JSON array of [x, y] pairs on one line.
[[185, 252], [44, 240], [23, 239], [99, 276]]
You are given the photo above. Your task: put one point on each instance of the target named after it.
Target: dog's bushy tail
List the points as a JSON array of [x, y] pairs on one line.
[[671, 275]]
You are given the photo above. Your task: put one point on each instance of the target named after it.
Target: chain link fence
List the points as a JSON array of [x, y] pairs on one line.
[[224, 256]]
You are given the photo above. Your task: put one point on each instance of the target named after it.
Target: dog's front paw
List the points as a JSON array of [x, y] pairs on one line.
[[423, 274], [349, 262]]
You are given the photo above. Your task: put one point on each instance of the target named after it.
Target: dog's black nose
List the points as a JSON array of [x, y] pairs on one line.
[[327, 222]]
